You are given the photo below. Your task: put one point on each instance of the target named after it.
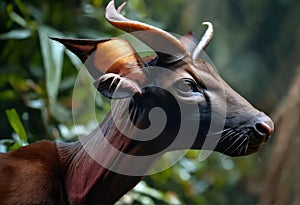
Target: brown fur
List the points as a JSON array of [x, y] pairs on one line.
[[31, 175]]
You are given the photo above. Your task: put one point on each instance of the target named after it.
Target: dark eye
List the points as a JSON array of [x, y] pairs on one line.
[[186, 85]]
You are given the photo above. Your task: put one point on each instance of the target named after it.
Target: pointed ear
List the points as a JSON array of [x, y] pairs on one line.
[[113, 63], [83, 48], [189, 41]]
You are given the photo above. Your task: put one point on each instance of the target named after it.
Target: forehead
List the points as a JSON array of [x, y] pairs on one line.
[[199, 70]]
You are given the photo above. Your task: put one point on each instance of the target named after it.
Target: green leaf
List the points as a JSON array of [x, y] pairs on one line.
[[19, 84], [15, 146], [16, 124], [52, 54], [16, 34], [16, 17], [8, 95], [23, 9], [74, 59]]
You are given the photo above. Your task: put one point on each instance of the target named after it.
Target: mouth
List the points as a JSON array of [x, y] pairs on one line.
[[240, 142], [253, 148]]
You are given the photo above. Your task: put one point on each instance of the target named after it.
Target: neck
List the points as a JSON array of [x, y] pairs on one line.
[[102, 167]]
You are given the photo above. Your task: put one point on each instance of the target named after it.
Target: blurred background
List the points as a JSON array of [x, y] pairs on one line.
[[256, 49]]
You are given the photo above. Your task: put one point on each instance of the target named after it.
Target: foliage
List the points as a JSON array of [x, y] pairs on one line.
[[20, 136], [257, 43]]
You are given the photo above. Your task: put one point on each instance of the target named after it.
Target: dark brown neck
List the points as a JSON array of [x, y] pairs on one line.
[[96, 172]]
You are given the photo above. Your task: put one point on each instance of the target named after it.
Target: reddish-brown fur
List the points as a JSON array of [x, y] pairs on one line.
[[65, 173], [32, 175]]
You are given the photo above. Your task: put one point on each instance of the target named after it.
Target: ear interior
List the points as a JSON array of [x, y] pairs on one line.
[[113, 63], [114, 86], [189, 41]]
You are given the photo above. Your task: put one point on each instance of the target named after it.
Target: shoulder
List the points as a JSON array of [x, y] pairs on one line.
[[31, 173], [38, 150]]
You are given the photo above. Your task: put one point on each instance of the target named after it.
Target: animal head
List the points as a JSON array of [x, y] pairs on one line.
[[176, 79]]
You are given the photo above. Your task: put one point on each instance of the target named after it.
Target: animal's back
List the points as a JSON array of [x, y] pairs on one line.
[[32, 175]]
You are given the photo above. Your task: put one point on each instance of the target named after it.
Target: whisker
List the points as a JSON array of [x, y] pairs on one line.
[[237, 142], [228, 148], [247, 145], [219, 132], [241, 146], [241, 143], [221, 138], [227, 135]]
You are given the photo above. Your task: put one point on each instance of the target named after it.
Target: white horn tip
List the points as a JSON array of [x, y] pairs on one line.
[[207, 23], [204, 40], [121, 7]]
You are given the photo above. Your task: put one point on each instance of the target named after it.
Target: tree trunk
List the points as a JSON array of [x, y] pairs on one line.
[[281, 185]]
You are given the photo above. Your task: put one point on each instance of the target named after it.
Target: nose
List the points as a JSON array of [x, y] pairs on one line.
[[264, 125]]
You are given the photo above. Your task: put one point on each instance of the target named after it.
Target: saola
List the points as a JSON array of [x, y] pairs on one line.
[[199, 111]]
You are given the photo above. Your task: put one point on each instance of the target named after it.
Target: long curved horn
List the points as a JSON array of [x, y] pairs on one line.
[[167, 47], [204, 40]]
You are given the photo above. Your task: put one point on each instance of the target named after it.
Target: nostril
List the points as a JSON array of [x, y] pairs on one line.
[[263, 128]]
